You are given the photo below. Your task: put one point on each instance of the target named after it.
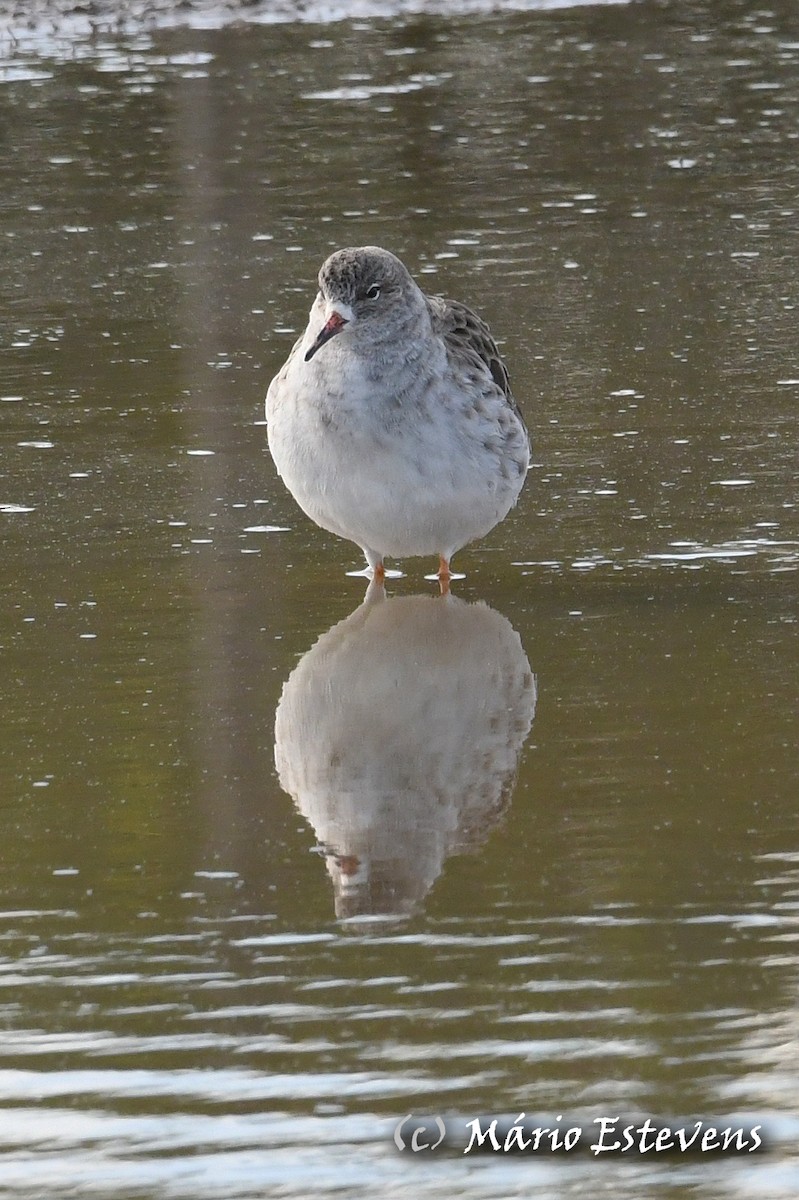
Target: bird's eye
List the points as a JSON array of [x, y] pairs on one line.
[[373, 293]]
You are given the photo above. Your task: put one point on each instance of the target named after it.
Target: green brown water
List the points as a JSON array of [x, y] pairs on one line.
[[595, 917]]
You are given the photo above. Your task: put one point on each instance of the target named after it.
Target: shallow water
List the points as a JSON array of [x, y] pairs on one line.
[[537, 851]]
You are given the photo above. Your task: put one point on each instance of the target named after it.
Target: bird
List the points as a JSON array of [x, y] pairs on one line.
[[392, 422]]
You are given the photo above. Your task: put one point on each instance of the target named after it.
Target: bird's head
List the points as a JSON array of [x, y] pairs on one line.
[[362, 287]]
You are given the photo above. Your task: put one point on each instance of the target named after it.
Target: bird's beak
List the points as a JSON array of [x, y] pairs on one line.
[[334, 324]]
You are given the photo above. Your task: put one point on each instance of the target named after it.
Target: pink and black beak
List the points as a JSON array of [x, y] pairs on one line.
[[334, 324]]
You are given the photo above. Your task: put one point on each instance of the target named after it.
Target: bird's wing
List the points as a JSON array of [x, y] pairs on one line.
[[467, 335]]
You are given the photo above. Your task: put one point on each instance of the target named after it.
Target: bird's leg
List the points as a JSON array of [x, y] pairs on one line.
[[375, 562], [444, 575]]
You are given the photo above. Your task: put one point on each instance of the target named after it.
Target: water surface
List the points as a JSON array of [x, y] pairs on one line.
[[575, 890]]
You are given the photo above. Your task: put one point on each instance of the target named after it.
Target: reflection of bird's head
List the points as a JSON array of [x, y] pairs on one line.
[[385, 888]]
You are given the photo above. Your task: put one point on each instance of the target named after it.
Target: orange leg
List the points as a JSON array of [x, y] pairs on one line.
[[444, 575], [379, 573]]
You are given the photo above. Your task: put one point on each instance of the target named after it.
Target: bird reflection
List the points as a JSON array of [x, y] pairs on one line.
[[398, 736]]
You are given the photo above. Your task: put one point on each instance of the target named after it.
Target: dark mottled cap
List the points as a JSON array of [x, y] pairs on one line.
[[348, 274]]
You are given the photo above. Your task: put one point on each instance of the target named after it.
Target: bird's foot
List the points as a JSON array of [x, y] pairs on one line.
[[444, 575], [376, 571]]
